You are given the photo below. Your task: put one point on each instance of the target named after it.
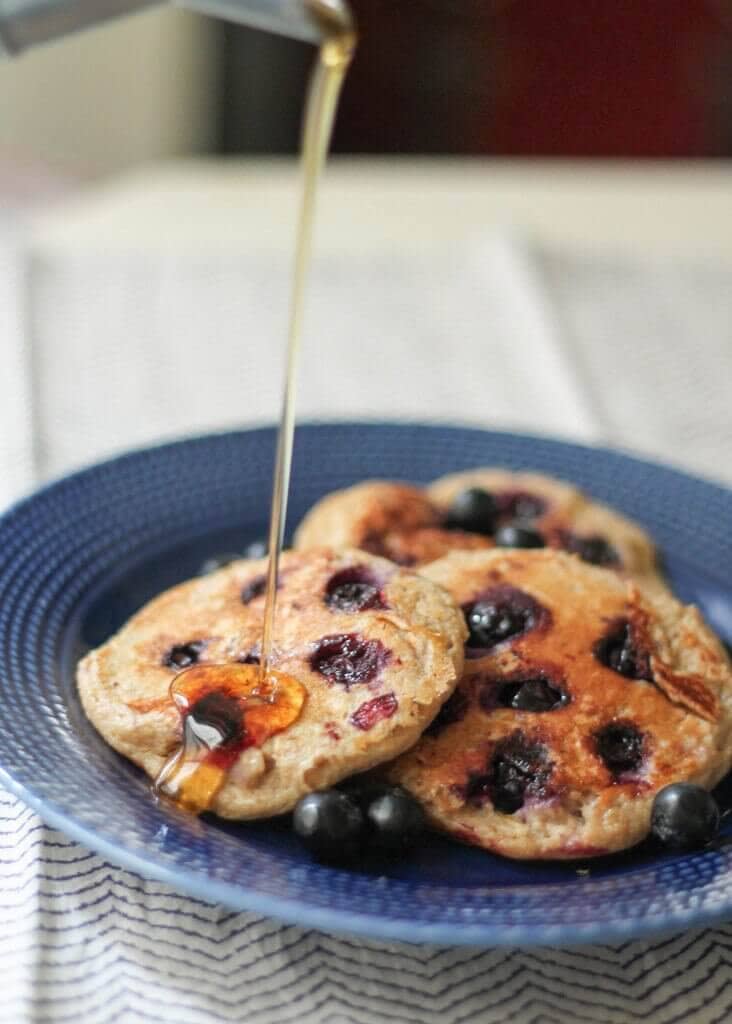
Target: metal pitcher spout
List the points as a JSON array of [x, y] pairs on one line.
[[28, 23]]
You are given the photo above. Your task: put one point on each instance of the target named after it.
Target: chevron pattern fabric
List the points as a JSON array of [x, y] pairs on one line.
[[83, 941]]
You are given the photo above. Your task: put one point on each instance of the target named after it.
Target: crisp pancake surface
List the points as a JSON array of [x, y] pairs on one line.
[[408, 524], [589, 697], [410, 638]]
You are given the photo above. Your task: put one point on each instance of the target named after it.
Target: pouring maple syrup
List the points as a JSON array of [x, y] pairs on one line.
[[228, 708], [334, 58], [225, 709]]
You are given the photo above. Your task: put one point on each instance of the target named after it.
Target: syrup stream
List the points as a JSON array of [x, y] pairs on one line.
[[334, 57]]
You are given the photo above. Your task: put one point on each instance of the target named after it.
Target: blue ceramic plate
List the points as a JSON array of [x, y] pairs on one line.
[[80, 557]]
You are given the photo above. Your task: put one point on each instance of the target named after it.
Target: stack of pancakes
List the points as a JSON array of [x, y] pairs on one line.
[[533, 699]]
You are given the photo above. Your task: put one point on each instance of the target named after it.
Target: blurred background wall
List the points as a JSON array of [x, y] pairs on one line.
[[639, 78], [135, 89]]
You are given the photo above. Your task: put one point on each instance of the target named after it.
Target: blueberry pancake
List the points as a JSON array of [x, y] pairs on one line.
[[562, 515], [387, 518], [479, 509], [581, 697], [373, 650]]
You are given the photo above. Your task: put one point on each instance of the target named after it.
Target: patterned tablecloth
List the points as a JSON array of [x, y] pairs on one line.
[[104, 351]]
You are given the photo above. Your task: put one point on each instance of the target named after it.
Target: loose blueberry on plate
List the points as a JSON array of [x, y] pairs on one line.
[[395, 821], [474, 511], [364, 788], [330, 824], [517, 535], [684, 816]]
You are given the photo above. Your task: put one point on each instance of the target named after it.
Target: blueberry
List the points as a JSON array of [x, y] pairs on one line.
[[348, 658], [355, 589], [684, 816], [537, 694], [395, 820], [353, 597], [330, 824], [254, 589], [184, 655], [520, 505], [257, 549], [490, 623], [474, 511], [519, 768], [251, 657], [517, 535], [598, 551], [620, 745], [364, 788], [217, 562], [595, 549], [499, 613], [620, 651]]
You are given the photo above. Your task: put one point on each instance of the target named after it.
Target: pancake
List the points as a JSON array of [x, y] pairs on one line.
[[582, 696], [374, 651], [415, 526]]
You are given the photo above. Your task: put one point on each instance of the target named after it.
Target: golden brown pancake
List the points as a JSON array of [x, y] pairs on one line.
[[409, 525], [376, 648], [582, 696]]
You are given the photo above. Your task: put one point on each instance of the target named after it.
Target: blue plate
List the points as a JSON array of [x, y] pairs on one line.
[[78, 558]]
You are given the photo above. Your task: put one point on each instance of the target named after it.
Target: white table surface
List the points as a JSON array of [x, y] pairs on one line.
[[177, 275], [406, 204]]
